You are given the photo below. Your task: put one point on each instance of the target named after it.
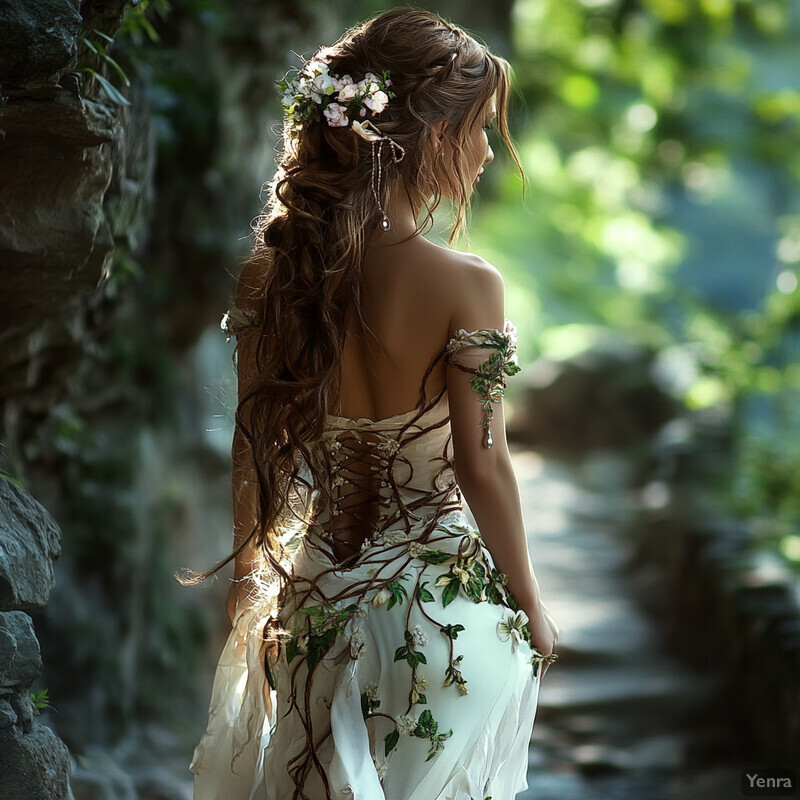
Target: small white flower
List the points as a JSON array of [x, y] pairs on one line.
[[420, 683], [443, 580], [316, 66], [290, 95], [377, 101], [395, 537], [324, 54], [336, 116], [388, 446], [372, 692], [406, 725], [358, 643], [360, 612], [303, 88], [462, 575], [415, 549], [381, 597], [380, 768], [418, 636], [348, 92], [455, 519], [510, 627], [323, 84], [340, 83]]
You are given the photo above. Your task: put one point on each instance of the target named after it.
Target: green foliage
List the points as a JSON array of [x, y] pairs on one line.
[[136, 26], [40, 699], [654, 130]]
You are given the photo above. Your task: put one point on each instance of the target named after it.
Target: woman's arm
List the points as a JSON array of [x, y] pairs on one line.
[[486, 475]]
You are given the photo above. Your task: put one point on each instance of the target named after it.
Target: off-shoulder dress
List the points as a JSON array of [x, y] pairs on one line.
[[405, 672]]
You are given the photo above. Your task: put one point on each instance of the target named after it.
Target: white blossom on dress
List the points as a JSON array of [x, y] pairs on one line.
[[358, 643], [415, 549], [510, 627], [388, 446], [461, 574], [418, 636], [380, 768], [406, 725], [373, 692], [455, 519], [381, 596]]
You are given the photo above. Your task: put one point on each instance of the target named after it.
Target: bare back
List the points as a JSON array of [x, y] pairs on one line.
[[407, 290]]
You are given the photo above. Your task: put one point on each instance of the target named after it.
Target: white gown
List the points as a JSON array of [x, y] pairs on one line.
[[404, 673]]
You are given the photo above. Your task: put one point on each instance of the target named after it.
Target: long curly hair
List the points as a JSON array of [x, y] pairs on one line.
[[302, 280]]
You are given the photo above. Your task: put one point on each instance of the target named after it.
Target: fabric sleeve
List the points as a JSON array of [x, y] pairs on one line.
[[490, 356]]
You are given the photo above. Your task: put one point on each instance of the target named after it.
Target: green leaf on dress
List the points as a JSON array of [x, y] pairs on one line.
[[292, 649], [318, 645], [398, 593], [452, 631], [426, 725], [434, 557], [450, 592], [424, 594], [390, 742]]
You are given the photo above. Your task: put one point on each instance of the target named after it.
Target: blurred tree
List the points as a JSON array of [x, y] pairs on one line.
[[660, 138]]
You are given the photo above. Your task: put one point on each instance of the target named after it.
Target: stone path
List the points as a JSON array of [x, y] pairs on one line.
[[619, 718]]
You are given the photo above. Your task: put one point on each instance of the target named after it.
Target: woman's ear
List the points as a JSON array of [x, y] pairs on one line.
[[437, 134]]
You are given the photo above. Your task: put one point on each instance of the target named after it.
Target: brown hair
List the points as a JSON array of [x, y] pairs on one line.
[[302, 280]]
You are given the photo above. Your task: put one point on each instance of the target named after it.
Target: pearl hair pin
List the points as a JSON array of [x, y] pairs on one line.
[[368, 131]]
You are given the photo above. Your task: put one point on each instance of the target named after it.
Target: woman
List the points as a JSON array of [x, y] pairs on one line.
[[381, 647]]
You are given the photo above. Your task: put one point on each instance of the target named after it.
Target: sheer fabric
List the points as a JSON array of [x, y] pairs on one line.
[[404, 671]]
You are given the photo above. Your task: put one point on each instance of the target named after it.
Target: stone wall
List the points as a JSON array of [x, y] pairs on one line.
[[121, 231], [34, 762]]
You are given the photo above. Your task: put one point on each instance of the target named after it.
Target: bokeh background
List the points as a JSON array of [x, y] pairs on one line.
[[651, 259]]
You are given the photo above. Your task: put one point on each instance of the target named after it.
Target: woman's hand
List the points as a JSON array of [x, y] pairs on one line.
[[544, 631]]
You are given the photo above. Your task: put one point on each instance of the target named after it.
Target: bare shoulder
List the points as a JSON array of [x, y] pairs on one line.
[[471, 289]]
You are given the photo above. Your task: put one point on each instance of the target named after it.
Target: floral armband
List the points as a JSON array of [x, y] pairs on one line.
[[489, 381]]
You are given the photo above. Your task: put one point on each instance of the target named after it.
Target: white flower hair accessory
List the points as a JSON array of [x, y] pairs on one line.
[[316, 93]]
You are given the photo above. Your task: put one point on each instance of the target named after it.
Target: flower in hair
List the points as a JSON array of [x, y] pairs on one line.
[[316, 93]]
